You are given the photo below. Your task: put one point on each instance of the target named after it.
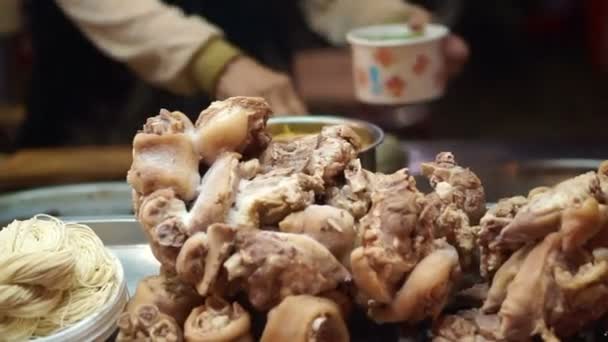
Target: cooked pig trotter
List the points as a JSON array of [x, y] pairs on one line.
[[218, 321], [425, 292], [334, 228], [305, 318], [236, 124], [216, 193], [272, 266], [164, 161]]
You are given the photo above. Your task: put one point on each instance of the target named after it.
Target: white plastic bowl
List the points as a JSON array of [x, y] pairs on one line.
[[102, 324]]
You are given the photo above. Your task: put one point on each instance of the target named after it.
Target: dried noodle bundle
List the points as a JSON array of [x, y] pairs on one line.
[[52, 275]]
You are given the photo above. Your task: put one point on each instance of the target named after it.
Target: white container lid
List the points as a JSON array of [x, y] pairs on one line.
[[102, 324], [395, 35]]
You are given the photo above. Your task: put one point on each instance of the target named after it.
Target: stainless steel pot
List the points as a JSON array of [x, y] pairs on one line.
[[311, 124]]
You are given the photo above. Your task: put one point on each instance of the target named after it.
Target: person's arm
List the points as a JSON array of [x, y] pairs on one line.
[[159, 43], [332, 19]]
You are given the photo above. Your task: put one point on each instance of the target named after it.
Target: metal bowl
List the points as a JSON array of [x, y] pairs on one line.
[[369, 132]]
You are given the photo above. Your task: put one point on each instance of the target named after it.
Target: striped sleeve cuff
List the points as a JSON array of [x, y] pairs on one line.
[[210, 62]]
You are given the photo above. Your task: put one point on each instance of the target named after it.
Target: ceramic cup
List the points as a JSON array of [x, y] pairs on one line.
[[395, 65]]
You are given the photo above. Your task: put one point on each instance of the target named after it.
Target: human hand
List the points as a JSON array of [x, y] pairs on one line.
[[246, 77], [455, 49]]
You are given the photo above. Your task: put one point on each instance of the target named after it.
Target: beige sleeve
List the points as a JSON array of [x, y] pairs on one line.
[[334, 18], [156, 41]]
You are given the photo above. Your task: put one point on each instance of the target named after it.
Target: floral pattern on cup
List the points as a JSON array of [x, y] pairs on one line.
[[421, 64], [376, 83], [384, 57], [395, 86], [361, 77]]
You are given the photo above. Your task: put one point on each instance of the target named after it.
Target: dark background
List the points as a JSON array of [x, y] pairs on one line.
[[538, 72]]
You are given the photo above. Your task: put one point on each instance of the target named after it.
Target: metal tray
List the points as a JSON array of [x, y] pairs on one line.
[[512, 178], [90, 199]]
